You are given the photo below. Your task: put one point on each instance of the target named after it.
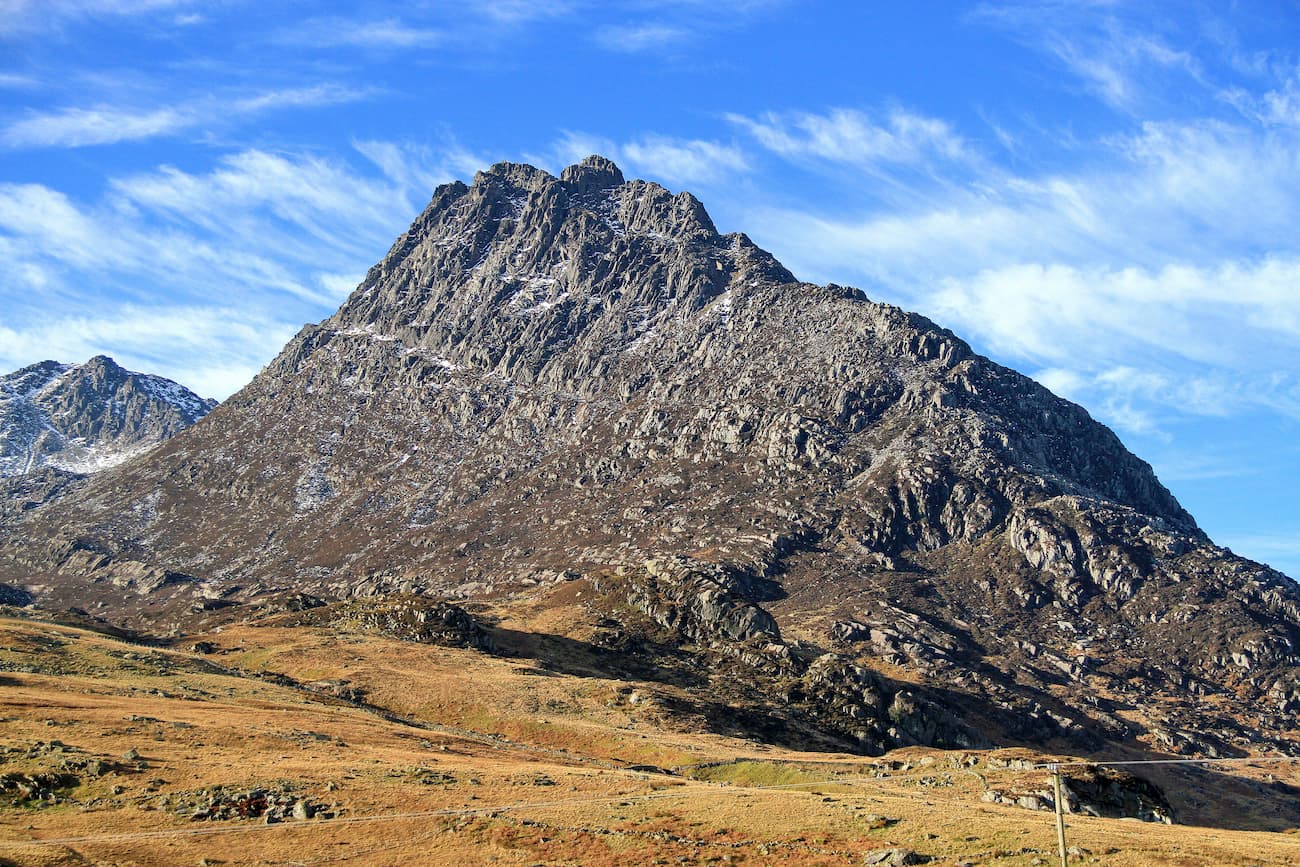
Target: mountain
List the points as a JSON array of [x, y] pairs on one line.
[[833, 515], [61, 422], [83, 418]]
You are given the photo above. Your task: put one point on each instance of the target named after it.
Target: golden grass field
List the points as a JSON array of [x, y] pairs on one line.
[[460, 757]]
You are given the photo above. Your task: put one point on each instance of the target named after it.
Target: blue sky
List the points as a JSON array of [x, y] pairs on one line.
[[1103, 196]]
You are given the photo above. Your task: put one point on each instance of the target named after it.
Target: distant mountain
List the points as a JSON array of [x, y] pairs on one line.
[[83, 418], [575, 391]]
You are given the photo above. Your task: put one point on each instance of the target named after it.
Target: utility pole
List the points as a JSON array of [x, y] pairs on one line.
[[1060, 812]]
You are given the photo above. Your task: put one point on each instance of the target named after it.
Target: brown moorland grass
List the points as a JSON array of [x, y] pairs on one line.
[[459, 757]]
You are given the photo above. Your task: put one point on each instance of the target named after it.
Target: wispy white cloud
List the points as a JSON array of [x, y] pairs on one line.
[[107, 124], [640, 37], [571, 147], [1137, 345], [1145, 284], [386, 33], [421, 167], [22, 16], [280, 239], [91, 7], [292, 97], [1146, 401], [1099, 43], [1198, 193], [524, 11], [1270, 547], [45, 234], [1201, 463], [1111, 64], [48, 219], [1278, 106], [213, 350], [277, 208], [684, 161], [78, 127], [1030, 310], [674, 161], [646, 26], [1158, 279], [854, 137], [726, 10]]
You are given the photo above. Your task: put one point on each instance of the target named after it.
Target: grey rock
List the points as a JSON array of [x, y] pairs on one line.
[[85, 417], [15, 596], [894, 857], [1031, 802], [404, 616], [698, 601]]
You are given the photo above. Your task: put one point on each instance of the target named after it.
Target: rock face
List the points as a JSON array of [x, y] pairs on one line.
[[81, 418], [405, 617], [578, 378]]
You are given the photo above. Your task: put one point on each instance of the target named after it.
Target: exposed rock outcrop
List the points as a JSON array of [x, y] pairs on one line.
[[409, 618]]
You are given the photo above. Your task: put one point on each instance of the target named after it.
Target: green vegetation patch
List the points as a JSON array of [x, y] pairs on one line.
[[757, 773]]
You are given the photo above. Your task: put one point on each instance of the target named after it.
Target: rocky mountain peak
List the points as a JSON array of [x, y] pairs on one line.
[[537, 267], [518, 176], [86, 417], [100, 373], [593, 174], [30, 378]]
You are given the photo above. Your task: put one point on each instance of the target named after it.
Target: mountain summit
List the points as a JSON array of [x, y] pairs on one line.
[[576, 391], [86, 417]]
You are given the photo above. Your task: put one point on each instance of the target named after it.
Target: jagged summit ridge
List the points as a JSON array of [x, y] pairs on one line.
[[579, 376], [87, 417], [538, 261]]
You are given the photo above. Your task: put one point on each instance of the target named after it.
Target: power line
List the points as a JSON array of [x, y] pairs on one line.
[[1058, 801], [1109, 764]]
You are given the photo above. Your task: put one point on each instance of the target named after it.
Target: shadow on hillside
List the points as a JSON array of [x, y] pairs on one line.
[[1203, 795], [641, 660], [690, 690], [748, 708], [1199, 794], [741, 710]]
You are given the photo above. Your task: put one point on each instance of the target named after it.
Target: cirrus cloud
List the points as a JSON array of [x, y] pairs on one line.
[[108, 124]]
